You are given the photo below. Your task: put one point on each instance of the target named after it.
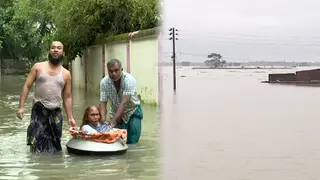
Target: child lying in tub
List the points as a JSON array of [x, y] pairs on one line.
[[91, 121]]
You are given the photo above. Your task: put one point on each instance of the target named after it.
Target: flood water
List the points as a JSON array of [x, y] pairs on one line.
[[226, 125], [220, 124], [139, 163]]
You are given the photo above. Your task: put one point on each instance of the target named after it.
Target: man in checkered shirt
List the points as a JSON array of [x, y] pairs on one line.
[[125, 108]]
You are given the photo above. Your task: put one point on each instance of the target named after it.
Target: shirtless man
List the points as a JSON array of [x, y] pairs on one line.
[[52, 86]]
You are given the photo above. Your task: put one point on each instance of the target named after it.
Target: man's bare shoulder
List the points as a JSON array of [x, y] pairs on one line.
[[66, 73], [38, 65]]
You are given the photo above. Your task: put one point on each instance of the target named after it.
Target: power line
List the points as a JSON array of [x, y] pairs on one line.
[[233, 41], [239, 39], [251, 39], [206, 56], [227, 58], [184, 31]]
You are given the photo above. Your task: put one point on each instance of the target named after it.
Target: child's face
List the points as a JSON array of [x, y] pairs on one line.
[[94, 116]]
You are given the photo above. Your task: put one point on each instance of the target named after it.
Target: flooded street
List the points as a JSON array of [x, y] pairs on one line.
[[226, 125], [220, 124], [139, 163]]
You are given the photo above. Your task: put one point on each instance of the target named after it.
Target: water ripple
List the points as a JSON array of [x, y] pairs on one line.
[[16, 162]]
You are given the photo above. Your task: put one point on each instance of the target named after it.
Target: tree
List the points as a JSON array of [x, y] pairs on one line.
[[78, 26], [24, 29], [215, 60], [6, 14], [28, 26]]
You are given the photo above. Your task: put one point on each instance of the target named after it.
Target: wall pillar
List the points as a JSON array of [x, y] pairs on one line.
[[85, 69], [103, 61], [159, 69], [128, 54]]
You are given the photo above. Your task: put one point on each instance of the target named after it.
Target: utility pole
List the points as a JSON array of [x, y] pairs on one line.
[[173, 38]]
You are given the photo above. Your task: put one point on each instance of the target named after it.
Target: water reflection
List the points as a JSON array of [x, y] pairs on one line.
[[140, 162], [230, 126]]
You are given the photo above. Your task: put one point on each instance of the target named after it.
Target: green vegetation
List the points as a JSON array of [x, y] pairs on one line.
[[125, 36], [215, 60], [28, 26]]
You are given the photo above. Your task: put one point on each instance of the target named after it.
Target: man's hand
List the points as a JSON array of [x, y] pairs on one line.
[[111, 123], [72, 123], [20, 113], [26, 88], [114, 122], [102, 109]]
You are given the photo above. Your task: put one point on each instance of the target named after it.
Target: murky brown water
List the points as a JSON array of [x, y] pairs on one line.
[[226, 125], [140, 162], [221, 124]]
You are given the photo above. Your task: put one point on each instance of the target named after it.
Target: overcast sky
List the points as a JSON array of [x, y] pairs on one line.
[[247, 30]]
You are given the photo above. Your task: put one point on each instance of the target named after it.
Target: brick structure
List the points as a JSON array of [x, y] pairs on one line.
[[305, 76], [288, 77], [308, 75]]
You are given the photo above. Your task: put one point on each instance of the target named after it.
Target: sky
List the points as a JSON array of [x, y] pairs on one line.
[[242, 31]]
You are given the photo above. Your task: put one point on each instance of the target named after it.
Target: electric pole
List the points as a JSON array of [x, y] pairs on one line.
[[173, 38]]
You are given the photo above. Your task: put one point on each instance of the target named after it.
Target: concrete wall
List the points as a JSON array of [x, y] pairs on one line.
[[12, 67], [144, 66], [117, 50], [139, 56], [78, 73], [93, 71]]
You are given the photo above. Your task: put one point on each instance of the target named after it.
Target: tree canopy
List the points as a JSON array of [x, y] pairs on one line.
[[28, 26], [215, 59]]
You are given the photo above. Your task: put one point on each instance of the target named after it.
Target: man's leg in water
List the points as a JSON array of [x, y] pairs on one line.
[[133, 126], [45, 130]]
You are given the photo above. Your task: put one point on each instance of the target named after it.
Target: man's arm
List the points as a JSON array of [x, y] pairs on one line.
[[27, 85], [129, 90], [67, 96], [121, 108], [102, 109], [103, 101]]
